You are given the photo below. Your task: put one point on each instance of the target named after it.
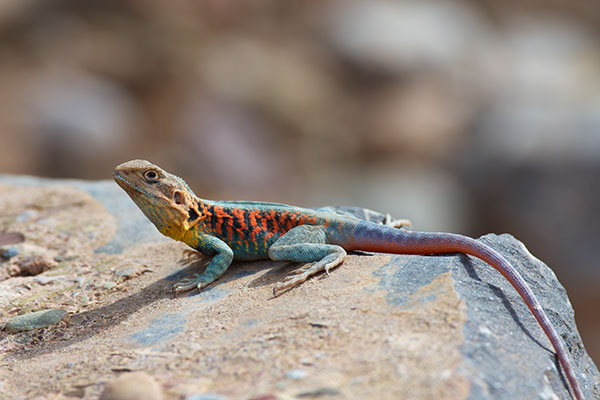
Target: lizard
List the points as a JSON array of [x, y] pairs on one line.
[[252, 230]]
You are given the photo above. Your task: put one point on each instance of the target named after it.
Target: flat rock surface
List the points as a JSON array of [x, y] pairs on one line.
[[380, 326]]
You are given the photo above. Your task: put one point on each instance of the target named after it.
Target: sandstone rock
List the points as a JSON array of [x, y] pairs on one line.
[[132, 386], [379, 326]]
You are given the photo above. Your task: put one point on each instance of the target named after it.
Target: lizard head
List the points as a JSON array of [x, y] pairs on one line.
[[164, 198]]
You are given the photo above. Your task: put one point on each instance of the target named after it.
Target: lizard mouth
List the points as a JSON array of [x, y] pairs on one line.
[[121, 181], [129, 187]]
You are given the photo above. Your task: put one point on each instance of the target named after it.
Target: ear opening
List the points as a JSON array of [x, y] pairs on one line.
[[178, 198]]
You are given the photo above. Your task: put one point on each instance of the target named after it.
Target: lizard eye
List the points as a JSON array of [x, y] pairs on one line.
[[151, 176]]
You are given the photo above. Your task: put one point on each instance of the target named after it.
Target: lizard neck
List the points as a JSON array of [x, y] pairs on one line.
[[178, 219]]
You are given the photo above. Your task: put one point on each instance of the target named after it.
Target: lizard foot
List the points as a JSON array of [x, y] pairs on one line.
[[196, 281], [303, 273], [396, 223]]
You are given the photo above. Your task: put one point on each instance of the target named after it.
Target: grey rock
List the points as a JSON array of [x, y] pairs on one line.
[[35, 320], [506, 354], [398, 36], [8, 252]]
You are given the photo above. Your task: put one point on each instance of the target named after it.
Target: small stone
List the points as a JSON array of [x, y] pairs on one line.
[[205, 396], [11, 238], [44, 280], [109, 285], [26, 215], [33, 265], [8, 252], [132, 386], [321, 392], [265, 397], [35, 320], [126, 273], [296, 374]]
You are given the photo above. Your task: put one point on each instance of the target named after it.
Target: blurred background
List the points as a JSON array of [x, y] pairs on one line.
[[469, 116]]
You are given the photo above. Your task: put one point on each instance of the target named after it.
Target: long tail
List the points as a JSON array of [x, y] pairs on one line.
[[382, 239]]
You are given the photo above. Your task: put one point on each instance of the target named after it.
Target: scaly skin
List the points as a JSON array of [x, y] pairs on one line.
[[245, 230]]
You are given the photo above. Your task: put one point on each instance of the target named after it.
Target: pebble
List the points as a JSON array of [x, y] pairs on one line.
[[44, 280], [8, 252], [11, 238], [126, 273], [33, 265], [35, 320], [265, 397], [132, 386], [26, 215], [296, 374], [321, 392], [205, 396]]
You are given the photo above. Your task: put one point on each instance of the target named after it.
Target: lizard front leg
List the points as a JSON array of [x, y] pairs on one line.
[[306, 244], [222, 257]]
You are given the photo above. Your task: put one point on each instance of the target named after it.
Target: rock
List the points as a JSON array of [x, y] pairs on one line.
[[544, 110], [27, 215], [8, 252], [44, 280], [296, 374], [534, 154], [32, 265], [378, 326], [265, 397], [491, 343], [7, 238], [80, 119], [397, 36], [35, 320], [206, 396], [132, 386], [126, 272], [420, 116], [317, 393], [551, 59]]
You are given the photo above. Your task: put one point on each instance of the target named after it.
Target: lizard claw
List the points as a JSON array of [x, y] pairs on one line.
[[190, 254], [186, 284], [396, 223]]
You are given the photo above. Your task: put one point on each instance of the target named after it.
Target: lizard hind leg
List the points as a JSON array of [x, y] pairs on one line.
[[306, 244]]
